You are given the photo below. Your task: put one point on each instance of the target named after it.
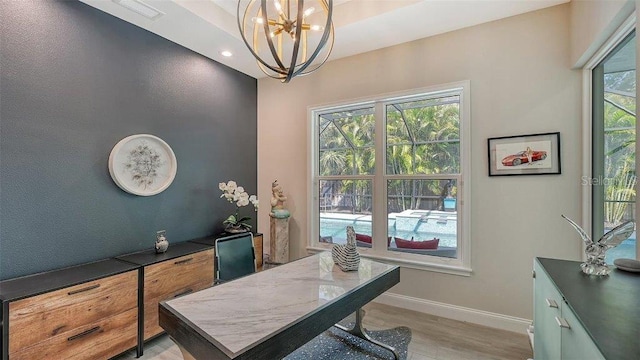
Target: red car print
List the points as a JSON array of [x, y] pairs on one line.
[[521, 158]]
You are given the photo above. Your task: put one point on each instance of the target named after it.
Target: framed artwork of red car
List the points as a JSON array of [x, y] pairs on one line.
[[535, 154]]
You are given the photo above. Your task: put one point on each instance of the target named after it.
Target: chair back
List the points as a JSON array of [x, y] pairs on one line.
[[235, 257]]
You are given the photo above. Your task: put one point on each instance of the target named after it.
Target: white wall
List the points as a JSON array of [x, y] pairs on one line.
[[592, 23], [521, 83]]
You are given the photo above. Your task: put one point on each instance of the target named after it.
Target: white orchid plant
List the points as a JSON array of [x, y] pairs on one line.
[[236, 194]]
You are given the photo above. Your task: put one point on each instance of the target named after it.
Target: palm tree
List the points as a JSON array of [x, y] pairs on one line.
[[422, 138]]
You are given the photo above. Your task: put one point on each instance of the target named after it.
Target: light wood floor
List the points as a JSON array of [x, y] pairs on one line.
[[432, 338]]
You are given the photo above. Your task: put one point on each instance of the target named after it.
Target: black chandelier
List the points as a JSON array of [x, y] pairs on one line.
[[309, 35]]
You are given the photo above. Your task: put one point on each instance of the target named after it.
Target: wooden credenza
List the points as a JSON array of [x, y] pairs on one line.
[[83, 312], [101, 309], [184, 268]]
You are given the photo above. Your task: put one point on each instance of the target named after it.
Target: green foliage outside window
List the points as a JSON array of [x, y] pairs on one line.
[[620, 142], [422, 137]]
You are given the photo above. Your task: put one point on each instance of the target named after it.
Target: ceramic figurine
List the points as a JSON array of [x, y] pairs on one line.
[[277, 202], [346, 256], [162, 244], [595, 250]]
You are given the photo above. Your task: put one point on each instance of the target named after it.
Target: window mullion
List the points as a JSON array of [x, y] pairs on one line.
[[598, 156], [379, 226]]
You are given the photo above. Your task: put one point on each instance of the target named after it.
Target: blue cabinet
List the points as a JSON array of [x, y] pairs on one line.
[[576, 342], [558, 333], [546, 302]]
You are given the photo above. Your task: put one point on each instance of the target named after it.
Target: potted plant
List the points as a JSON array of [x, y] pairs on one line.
[[236, 194]]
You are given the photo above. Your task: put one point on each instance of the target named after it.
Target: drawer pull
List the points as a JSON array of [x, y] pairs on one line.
[[552, 303], [84, 333], [183, 261], [83, 290], [562, 322], [183, 293]]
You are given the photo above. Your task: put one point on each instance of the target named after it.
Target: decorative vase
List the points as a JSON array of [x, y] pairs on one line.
[[346, 256], [162, 244]]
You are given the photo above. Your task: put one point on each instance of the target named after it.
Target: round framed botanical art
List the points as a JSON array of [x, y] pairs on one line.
[[142, 164]]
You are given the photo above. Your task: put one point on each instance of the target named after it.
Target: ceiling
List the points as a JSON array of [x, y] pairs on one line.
[[209, 27]]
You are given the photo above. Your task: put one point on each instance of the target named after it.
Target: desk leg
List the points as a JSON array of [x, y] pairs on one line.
[[186, 355], [359, 331]]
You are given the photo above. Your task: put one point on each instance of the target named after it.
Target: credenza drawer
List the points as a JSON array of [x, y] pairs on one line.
[[38, 318], [151, 326], [100, 340], [173, 278], [163, 279]]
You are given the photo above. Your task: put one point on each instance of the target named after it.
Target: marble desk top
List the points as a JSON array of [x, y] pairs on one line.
[[236, 315]]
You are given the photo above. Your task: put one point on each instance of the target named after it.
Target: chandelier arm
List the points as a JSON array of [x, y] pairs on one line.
[[244, 39], [274, 75], [274, 53], [326, 57], [288, 2], [327, 30], [296, 44]]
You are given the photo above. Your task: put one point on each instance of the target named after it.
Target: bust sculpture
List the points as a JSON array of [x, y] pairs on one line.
[[277, 202]]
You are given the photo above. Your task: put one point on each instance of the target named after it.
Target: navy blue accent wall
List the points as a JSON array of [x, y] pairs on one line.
[[73, 82]]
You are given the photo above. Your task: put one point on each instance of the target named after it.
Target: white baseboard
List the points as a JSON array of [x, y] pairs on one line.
[[480, 317]]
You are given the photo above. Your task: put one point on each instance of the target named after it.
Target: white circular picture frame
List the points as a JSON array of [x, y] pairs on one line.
[[142, 164]]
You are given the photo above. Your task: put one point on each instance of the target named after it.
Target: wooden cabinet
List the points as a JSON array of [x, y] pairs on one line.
[[101, 309], [173, 278], [577, 316], [95, 317], [184, 268]]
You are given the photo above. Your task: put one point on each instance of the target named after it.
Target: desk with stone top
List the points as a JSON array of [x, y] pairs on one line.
[[269, 314]]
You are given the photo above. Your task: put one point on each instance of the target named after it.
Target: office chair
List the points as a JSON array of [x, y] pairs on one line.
[[234, 257]]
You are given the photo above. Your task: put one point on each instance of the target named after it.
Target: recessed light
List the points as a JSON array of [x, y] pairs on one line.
[[226, 53], [141, 8]]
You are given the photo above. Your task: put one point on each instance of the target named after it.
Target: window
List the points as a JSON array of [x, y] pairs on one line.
[[393, 168], [614, 143]]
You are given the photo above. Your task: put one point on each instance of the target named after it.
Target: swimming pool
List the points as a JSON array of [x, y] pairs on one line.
[[626, 249], [425, 225], [419, 224]]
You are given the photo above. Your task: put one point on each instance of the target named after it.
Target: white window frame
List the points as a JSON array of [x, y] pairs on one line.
[[587, 121], [458, 266]]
